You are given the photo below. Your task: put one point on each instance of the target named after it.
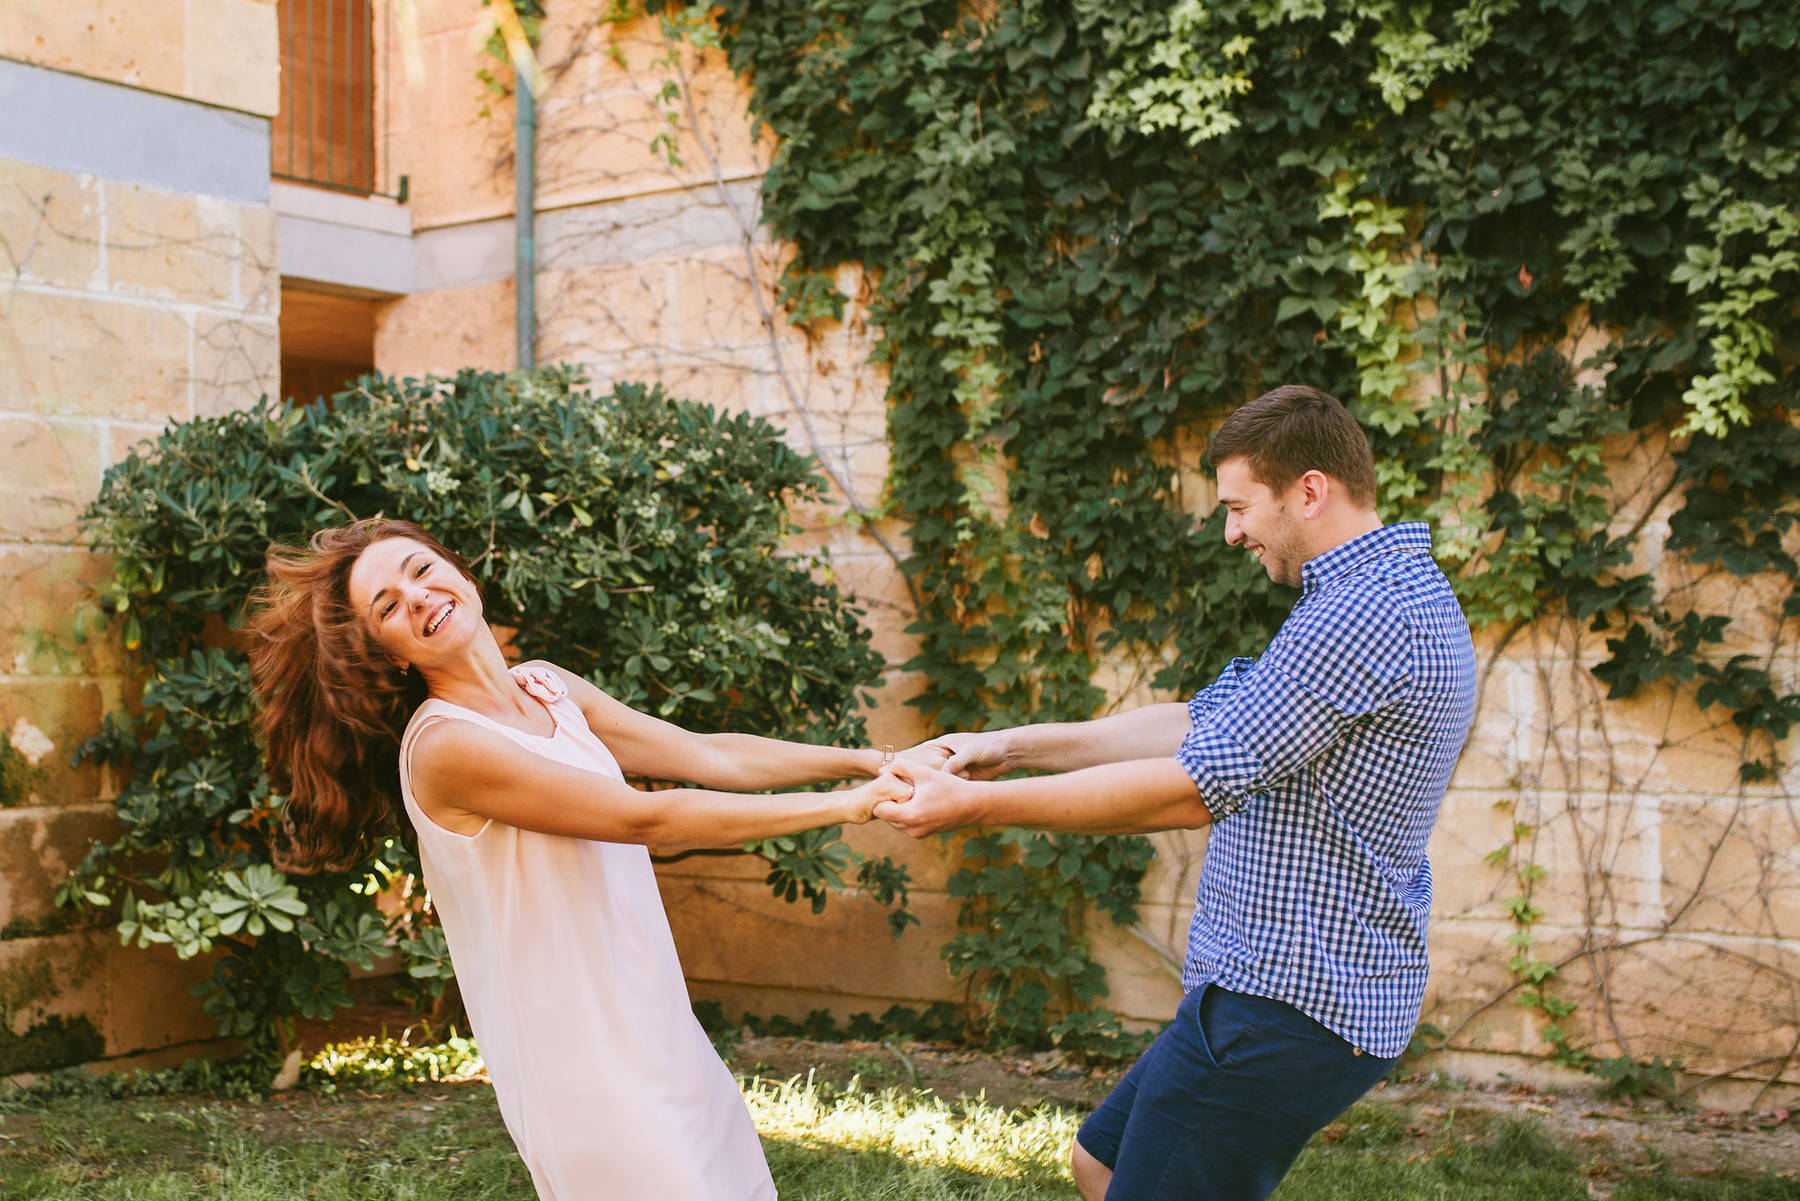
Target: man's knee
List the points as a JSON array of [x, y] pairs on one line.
[[1091, 1176]]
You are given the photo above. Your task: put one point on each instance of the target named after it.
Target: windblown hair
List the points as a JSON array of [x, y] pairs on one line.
[[333, 705], [1292, 430]]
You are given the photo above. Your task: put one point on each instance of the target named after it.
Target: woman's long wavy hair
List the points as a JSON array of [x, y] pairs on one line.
[[333, 705]]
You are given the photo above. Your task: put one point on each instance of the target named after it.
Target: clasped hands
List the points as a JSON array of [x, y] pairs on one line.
[[925, 790]]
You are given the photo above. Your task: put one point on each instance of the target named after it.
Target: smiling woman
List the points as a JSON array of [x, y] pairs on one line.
[[334, 706], [403, 597], [376, 669]]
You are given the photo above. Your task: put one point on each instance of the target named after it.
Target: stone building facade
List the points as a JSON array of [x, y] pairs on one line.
[[138, 285], [149, 284]]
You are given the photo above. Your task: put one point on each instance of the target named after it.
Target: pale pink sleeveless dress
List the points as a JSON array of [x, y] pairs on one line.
[[606, 1081]]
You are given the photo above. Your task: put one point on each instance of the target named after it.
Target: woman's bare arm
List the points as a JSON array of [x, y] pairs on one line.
[[464, 773], [659, 750]]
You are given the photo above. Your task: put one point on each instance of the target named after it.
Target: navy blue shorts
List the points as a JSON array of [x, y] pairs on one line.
[[1220, 1105]]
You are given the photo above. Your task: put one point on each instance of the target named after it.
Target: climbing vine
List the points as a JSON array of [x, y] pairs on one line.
[[1518, 236]]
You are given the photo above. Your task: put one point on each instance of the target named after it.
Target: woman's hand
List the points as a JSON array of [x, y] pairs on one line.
[[864, 797], [931, 753]]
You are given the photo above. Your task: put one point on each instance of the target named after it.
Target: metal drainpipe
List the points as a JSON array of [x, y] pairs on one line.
[[525, 218]]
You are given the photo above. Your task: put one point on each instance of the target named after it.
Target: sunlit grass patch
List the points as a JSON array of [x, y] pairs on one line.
[[389, 1062], [917, 1128]]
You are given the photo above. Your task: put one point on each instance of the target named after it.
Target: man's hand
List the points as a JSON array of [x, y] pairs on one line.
[[939, 801], [976, 756]]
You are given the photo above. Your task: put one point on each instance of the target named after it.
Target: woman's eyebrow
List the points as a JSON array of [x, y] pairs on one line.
[[381, 592]]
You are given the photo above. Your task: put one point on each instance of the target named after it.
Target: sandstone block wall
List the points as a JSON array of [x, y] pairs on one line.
[[217, 52], [137, 285]]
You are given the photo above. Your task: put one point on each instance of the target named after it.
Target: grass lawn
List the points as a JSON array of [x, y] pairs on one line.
[[826, 1139]]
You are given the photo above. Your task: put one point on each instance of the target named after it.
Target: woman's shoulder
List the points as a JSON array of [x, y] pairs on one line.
[[446, 736], [436, 732], [431, 711]]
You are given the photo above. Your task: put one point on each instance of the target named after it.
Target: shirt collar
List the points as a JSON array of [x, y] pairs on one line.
[[1320, 570]]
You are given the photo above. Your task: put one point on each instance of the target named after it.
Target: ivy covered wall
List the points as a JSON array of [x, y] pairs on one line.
[[1546, 250]]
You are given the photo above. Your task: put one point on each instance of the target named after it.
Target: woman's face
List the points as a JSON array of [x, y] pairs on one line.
[[420, 609]]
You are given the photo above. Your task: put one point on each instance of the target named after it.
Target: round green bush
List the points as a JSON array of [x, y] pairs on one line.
[[632, 537]]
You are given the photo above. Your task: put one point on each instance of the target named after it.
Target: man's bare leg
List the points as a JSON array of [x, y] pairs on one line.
[[1091, 1176]]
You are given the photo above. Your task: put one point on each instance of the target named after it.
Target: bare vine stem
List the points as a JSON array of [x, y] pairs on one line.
[[747, 235]]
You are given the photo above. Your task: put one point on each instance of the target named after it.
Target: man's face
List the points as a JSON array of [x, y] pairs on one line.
[[1264, 523]]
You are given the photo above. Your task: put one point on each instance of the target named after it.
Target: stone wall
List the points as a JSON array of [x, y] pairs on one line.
[[137, 285], [1672, 889]]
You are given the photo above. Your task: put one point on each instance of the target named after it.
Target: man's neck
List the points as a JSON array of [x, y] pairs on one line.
[[1342, 527]]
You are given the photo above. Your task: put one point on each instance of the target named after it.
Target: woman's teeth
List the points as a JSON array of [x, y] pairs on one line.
[[439, 618]]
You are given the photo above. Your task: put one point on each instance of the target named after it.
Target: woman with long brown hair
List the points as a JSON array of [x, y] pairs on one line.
[[384, 691]]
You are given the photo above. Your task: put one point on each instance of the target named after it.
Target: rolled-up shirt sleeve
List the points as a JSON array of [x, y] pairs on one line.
[[1210, 697], [1287, 708]]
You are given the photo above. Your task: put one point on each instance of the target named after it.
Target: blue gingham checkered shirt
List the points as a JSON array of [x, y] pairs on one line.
[[1323, 763]]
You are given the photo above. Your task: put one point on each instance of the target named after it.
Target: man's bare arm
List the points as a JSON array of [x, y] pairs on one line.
[[1140, 796], [1150, 732]]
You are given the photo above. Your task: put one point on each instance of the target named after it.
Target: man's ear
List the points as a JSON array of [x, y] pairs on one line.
[[1315, 491]]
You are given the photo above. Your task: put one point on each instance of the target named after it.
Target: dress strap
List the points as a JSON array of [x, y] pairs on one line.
[[427, 715]]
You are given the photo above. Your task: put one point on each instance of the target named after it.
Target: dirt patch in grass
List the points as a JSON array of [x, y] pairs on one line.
[[1615, 1139], [87, 1140]]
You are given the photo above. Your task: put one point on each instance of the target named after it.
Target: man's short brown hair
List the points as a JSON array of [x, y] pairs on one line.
[[1292, 430]]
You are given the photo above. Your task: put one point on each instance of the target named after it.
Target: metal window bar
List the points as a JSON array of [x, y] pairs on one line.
[[324, 134]]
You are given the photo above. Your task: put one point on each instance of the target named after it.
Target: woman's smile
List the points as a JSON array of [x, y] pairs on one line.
[[438, 617]]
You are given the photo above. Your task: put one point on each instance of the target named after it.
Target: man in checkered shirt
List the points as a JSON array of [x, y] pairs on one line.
[[1322, 762]]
